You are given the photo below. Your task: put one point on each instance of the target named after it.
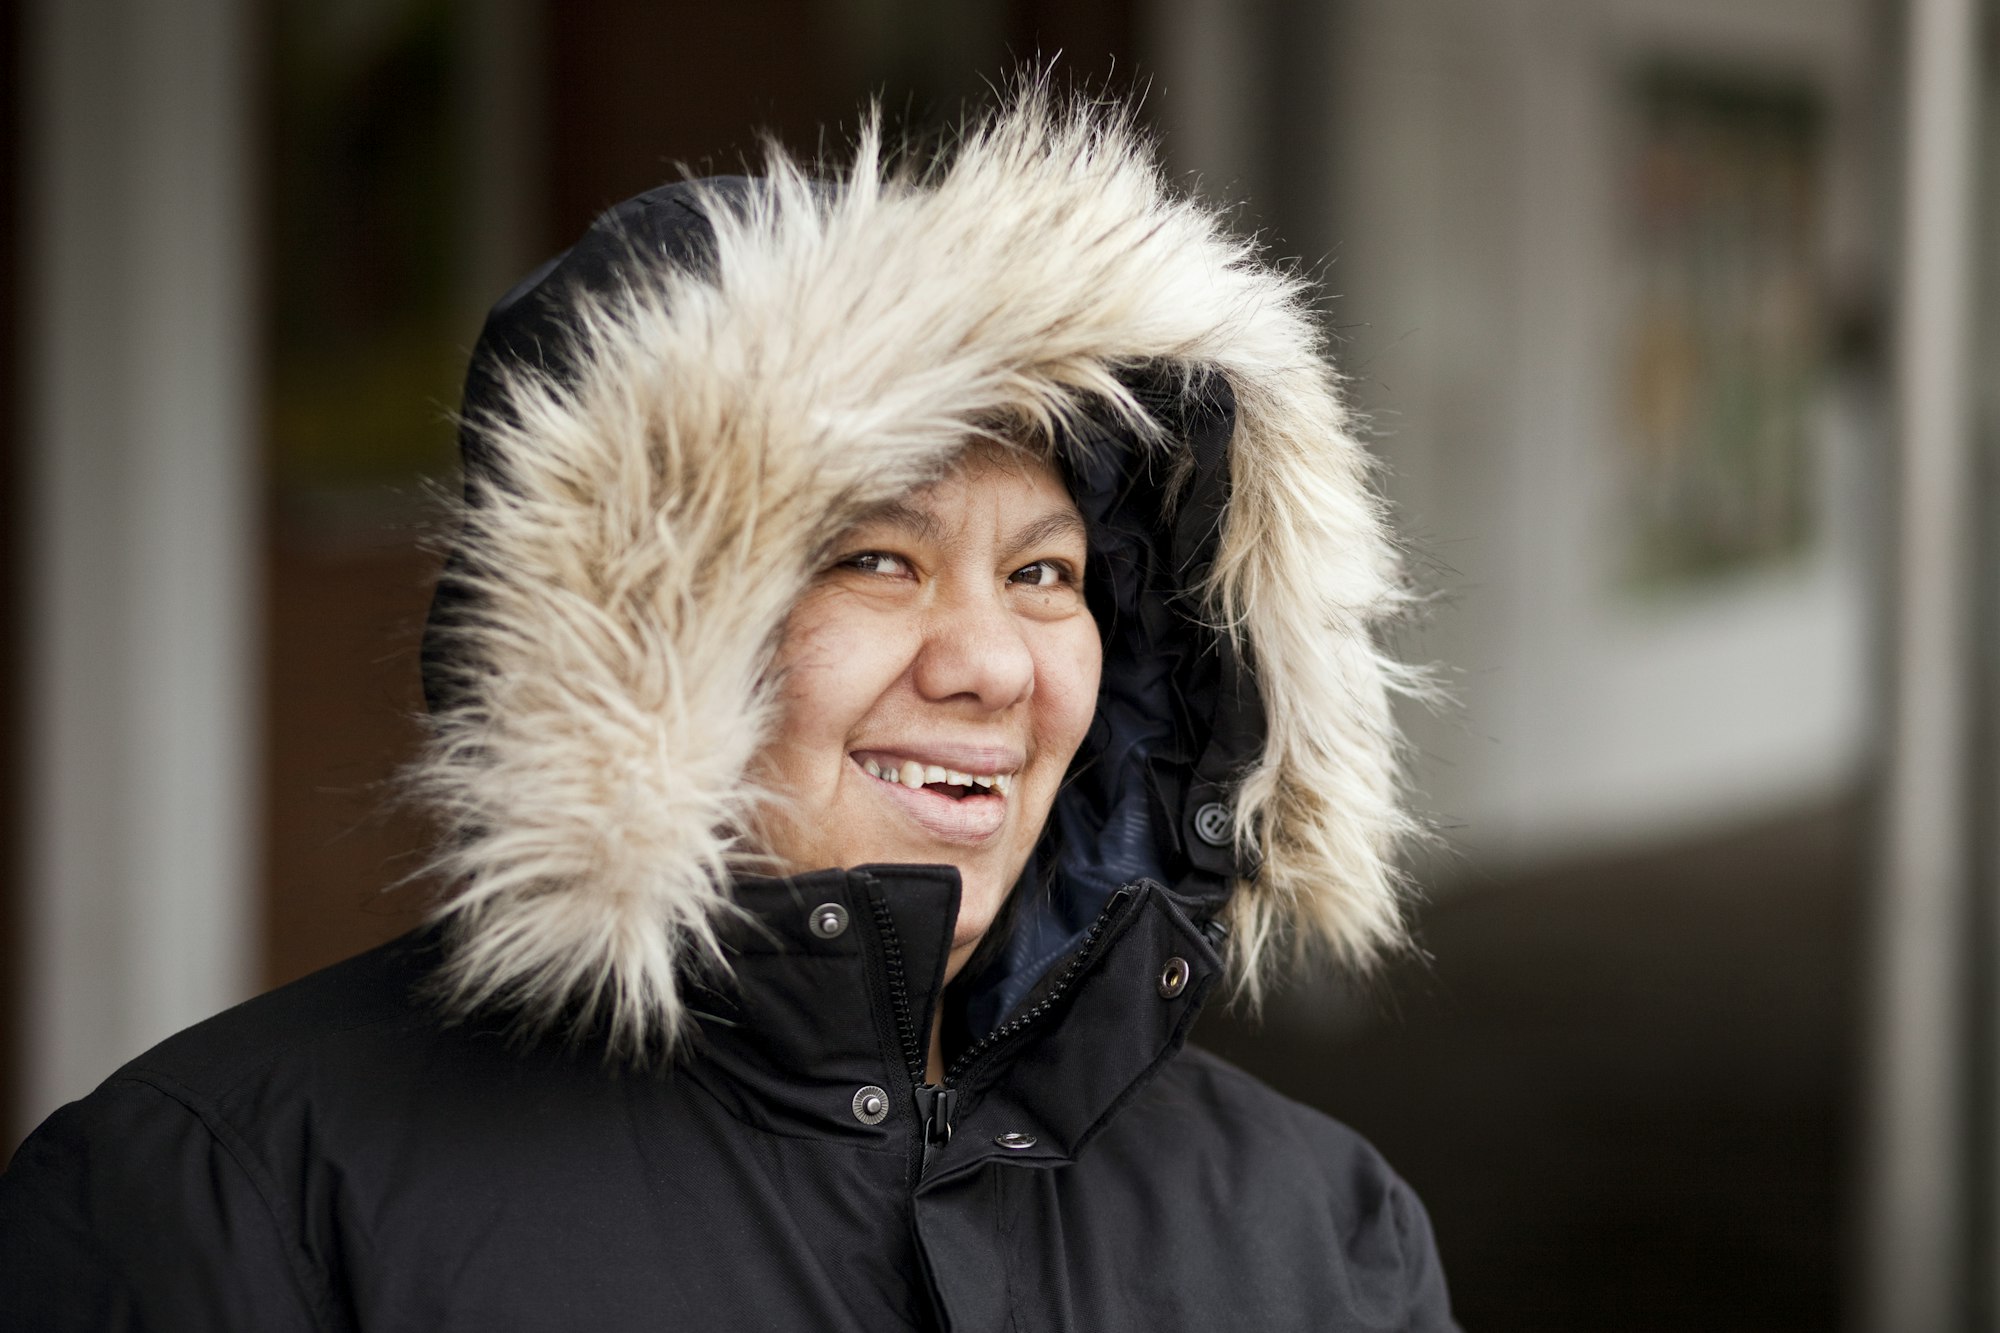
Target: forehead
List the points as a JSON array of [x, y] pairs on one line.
[[1006, 485]]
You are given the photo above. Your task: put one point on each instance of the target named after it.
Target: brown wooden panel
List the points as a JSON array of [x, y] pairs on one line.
[[343, 700], [636, 87], [1088, 45]]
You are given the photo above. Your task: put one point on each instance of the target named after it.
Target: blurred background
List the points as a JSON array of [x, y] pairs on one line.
[[1674, 324]]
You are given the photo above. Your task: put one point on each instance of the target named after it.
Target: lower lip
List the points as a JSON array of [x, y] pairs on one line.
[[968, 820]]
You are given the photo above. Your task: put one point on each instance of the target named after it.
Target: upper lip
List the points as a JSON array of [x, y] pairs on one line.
[[974, 759]]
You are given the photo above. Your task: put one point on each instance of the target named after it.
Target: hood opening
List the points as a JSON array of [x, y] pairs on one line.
[[1177, 719]]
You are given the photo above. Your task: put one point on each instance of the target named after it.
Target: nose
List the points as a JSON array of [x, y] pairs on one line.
[[974, 649]]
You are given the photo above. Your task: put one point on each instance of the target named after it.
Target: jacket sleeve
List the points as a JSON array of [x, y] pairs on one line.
[[130, 1210], [1429, 1302]]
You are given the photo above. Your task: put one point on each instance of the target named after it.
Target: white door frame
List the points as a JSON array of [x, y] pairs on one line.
[[139, 365]]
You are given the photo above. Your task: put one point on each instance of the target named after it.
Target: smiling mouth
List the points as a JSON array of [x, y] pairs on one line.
[[951, 805], [916, 776]]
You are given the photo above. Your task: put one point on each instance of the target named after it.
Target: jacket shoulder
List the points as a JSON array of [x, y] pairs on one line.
[[157, 1194], [373, 990], [1295, 1171], [1236, 1106]]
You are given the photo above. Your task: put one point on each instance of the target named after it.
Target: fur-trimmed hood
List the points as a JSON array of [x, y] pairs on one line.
[[665, 429]]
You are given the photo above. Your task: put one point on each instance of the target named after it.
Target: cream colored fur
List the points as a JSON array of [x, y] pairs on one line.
[[661, 516]]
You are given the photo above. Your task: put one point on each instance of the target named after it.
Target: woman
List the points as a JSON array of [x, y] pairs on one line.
[[909, 641]]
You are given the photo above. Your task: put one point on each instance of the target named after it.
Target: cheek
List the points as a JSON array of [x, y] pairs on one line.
[[1067, 671], [834, 670]]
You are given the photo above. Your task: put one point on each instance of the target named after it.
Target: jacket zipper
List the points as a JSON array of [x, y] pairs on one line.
[[937, 1103], [915, 1055], [1079, 963]]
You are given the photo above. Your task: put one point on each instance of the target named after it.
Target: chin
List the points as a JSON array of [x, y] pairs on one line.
[[979, 900]]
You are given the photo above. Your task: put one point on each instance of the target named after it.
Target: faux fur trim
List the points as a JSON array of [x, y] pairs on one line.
[[661, 512]]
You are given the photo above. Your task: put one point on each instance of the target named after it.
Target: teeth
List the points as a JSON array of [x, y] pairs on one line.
[[913, 774]]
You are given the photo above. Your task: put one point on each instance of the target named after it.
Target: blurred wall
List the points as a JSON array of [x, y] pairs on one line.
[[1564, 289], [1624, 1070]]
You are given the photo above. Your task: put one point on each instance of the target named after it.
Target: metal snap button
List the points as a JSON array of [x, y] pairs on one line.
[[1174, 978], [1014, 1141], [871, 1105], [1211, 824], [828, 921]]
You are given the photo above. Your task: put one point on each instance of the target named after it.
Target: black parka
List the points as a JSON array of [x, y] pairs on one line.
[[623, 1083], [332, 1157]]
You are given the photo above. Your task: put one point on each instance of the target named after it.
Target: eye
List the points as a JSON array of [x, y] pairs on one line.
[[875, 562], [1043, 574]]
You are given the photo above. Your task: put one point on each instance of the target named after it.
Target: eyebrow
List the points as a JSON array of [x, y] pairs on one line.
[[924, 526], [919, 523], [1059, 524]]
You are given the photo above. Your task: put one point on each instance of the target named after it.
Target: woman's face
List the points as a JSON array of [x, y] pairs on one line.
[[935, 681]]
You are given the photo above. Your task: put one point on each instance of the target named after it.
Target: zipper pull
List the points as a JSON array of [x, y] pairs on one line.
[[935, 1106]]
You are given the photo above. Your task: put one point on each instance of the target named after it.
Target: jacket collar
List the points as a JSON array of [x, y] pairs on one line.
[[835, 975]]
